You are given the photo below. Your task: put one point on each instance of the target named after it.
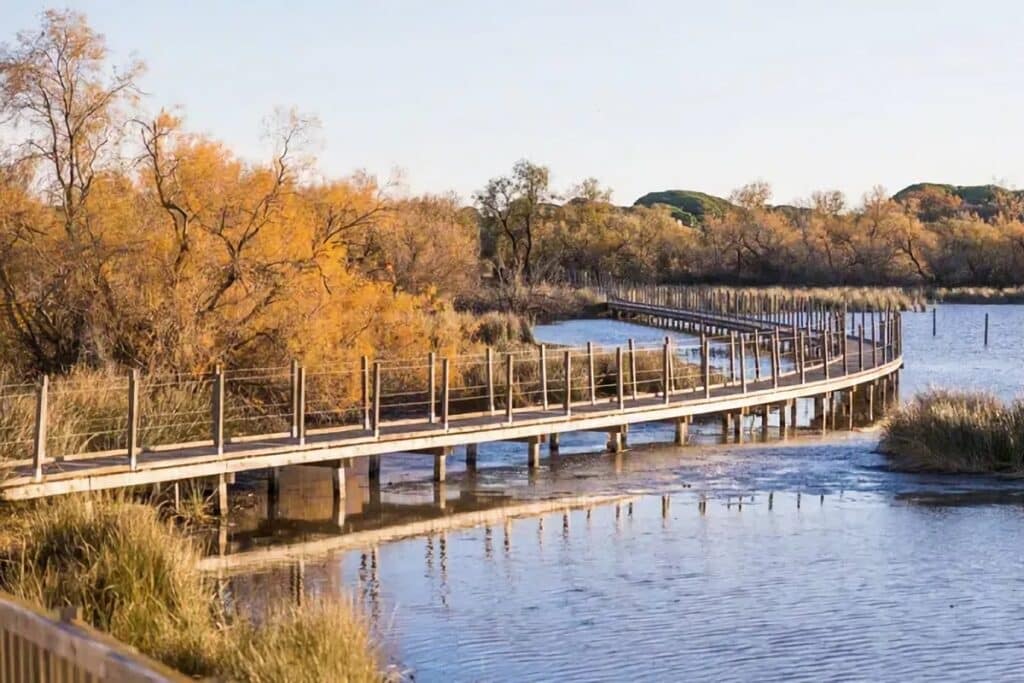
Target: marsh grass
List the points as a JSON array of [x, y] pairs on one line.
[[978, 295], [320, 641], [136, 577], [956, 431]]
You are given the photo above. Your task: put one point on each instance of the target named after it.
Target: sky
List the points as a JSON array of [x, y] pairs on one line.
[[643, 95]]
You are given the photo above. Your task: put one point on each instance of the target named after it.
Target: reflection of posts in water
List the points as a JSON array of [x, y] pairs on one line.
[[565, 525], [507, 531], [440, 494], [666, 503], [488, 543]]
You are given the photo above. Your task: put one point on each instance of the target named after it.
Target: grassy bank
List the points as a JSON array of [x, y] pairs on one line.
[[955, 431], [137, 578]]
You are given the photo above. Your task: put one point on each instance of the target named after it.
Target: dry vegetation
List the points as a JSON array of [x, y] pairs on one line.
[[956, 431], [137, 578]]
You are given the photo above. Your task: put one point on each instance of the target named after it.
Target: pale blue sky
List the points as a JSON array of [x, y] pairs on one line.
[[642, 95]]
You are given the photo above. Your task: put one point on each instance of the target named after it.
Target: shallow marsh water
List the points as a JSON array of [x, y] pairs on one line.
[[804, 559]]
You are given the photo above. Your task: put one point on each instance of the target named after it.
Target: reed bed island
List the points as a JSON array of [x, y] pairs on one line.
[[957, 432]]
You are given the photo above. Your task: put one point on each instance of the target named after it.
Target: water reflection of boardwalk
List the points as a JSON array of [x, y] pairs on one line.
[[743, 365]]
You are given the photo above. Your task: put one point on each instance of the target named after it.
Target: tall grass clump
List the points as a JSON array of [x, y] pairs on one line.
[[956, 431], [137, 578], [127, 571], [320, 641]]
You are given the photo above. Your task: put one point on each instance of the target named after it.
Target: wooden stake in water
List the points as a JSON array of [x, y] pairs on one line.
[[986, 329], [933, 320]]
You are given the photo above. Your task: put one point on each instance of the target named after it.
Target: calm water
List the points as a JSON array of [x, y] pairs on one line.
[[799, 560]]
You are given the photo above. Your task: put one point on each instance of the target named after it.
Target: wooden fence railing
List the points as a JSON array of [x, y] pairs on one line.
[[35, 646]]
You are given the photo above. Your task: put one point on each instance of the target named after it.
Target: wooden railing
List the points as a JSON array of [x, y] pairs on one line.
[[243, 405], [35, 646]]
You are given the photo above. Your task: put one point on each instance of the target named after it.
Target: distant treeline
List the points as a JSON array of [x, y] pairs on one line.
[[925, 235]]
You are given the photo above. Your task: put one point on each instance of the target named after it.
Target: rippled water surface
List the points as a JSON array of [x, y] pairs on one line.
[[804, 559]]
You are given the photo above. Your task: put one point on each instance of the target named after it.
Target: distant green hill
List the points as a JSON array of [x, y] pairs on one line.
[[940, 200], [688, 206]]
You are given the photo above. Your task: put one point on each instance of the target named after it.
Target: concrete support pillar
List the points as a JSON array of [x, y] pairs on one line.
[[682, 430], [471, 455], [554, 442], [764, 420], [871, 402], [616, 440], [373, 468], [533, 453], [726, 423], [793, 413], [783, 408]]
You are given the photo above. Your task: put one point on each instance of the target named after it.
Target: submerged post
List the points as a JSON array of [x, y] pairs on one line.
[[39, 452], [133, 419], [986, 329]]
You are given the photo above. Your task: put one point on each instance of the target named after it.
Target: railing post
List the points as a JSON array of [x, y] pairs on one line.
[[620, 380], [732, 356], [568, 383], [544, 376], [133, 419], [860, 347], [509, 386], [705, 361], [300, 404], [445, 392], [632, 369], [294, 379], [365, 367], [432, 387], [666, 372], [757, 355], [743, 362], [590, 373], [218, 410], [42, 411], [375, 418], [776, 358], [490, 380], [874, 343], [801, 357], [825, 350]]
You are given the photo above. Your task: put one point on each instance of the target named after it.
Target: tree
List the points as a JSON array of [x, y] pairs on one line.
[[55, 89], [511, 220]]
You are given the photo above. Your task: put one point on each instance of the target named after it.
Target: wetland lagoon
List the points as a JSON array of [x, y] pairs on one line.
[[803, 558]]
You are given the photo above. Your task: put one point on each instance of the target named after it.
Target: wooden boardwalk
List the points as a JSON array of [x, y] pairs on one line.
[[779, 359]]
